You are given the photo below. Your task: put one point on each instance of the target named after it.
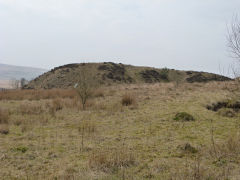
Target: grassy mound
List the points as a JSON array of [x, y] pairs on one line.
[[183, 116]]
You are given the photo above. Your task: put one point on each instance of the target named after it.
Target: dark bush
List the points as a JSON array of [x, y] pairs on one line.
[[4, 129]]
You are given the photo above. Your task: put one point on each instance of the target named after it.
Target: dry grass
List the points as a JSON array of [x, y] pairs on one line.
[[57, 104], [31, 108], [4, 116], [37, 94], [98, 93], [4, 129], [111, 160], [128, 99], [54, 139]]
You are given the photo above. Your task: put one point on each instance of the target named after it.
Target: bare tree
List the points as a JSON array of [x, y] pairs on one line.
[[23, 82], [86, 83], [234, 44], [14, 83], [233, 39]]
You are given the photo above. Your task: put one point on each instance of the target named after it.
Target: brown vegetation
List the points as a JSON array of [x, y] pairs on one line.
[[52, 139], [128, 99], [110, 160], [4, 116], [37, 94]]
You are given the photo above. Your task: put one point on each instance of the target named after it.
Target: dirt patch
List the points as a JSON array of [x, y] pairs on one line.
[[205, 77]]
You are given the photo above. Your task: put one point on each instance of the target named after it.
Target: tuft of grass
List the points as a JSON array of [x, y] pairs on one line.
[[57, 104], [128, 99], [21, 149], [111, 160], [4, 116], [188, 148], [183, 116]]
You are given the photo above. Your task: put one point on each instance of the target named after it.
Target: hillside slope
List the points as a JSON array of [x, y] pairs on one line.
[[108, 73], [8, 72]]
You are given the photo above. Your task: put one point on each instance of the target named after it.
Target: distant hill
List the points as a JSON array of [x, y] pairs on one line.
[[8, 72], [108, 73]]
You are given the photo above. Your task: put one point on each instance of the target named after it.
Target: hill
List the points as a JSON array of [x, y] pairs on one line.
[[108, 73], [8, 72]]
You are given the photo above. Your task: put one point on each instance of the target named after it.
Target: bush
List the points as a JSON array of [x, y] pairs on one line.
[[4, 116], [164, 74], [128, 100], [183, 116]]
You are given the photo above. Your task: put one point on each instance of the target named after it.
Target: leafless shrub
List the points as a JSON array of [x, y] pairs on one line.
[[233, 39], [228, 150], [85, 86], [15, 84]]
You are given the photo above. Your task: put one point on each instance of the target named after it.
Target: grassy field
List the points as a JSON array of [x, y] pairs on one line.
[[45, 134]]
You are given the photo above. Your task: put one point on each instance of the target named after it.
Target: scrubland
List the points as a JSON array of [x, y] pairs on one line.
[[126, 132]]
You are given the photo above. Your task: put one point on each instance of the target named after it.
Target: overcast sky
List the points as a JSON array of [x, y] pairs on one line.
[[180, 34]]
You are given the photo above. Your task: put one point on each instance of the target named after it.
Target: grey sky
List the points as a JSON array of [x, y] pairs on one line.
[[180, 34]]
